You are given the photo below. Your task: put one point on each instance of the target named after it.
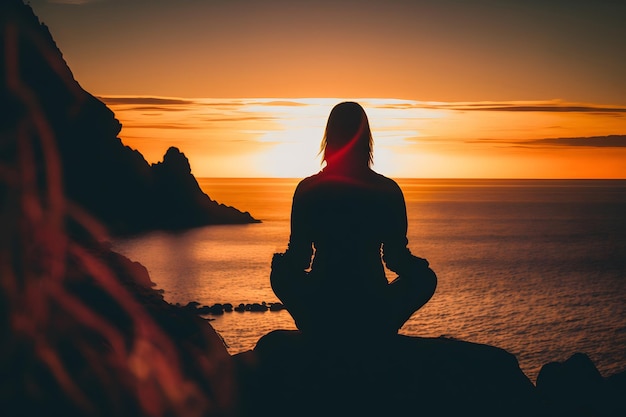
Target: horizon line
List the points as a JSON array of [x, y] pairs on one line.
[[434, 178]]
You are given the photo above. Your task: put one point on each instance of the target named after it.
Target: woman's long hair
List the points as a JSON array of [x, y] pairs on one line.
[[347, 139]]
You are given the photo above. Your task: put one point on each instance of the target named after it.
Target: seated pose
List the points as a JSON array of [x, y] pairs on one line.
[[345, 221]]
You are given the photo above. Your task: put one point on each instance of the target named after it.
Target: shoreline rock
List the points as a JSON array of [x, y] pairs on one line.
[[221, 308], [286, 375]]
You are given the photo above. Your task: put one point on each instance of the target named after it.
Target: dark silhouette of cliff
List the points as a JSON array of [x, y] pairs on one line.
[[180, 200], [110, 180]]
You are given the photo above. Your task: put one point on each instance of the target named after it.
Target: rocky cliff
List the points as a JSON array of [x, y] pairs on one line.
[[100, 174]]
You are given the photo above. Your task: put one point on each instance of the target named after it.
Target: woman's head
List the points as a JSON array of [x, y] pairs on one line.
[[348, 139]]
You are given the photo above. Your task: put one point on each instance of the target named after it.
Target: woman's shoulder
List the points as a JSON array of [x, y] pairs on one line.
[[311, 179], [370, 179], [308, 183], [385, 182]]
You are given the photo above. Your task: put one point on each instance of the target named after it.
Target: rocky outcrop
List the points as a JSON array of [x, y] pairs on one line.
[[575, 388], [180, 200], [287, 375], [40, 98]]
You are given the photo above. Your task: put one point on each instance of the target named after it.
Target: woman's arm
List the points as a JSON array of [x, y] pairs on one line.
[[396, 253], [300, 247]]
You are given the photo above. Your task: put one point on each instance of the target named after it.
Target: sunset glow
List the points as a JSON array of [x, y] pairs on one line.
[[281, 138], [479, 89]]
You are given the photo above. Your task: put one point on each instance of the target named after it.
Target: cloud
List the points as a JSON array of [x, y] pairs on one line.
[[144, 100], [611, 141], [162, 126], [280, 103], [512, 106], [401, 106], [240, 119], [532, 107], [172, 103], [164, 108]]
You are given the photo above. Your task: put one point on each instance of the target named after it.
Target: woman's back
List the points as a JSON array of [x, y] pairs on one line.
[[347, 218]]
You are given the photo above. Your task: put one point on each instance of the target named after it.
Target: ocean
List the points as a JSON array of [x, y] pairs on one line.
[[537, 267]]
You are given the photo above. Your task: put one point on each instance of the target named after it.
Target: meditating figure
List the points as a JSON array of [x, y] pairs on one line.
[[345, 221]]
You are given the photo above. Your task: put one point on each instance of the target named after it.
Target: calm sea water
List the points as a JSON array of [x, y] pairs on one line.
[[537, 267]]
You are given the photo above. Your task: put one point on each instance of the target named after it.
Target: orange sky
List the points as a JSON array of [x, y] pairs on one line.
[[269, 137], [444, 50], [542, 70]]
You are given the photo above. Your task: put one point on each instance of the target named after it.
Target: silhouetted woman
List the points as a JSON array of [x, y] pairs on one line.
[[345, 221]]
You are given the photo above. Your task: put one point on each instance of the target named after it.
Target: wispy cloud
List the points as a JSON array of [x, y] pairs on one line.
[[163, 108], [241, 119], [611, 141], [147, 100], [163, 126], [558, 107], [278, 103], [144, 100]]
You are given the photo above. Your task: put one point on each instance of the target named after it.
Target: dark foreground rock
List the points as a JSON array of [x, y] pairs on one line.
[[576, 388], [286, 375]]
